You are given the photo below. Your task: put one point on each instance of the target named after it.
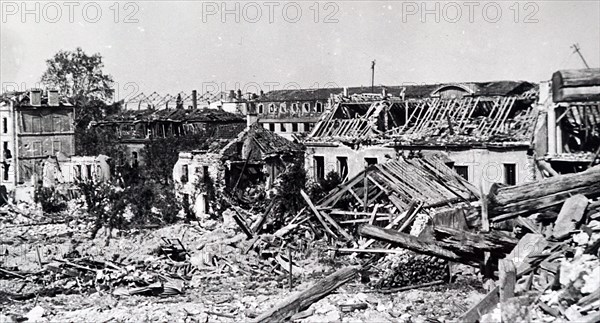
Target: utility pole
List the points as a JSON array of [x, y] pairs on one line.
[[373, 76], [577, 50]]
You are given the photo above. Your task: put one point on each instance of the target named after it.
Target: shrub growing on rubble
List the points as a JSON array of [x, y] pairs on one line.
[[50, 200], [318, 190], [105, 203], [288, 185]]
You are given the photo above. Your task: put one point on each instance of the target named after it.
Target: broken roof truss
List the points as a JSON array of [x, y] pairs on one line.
[[461, 120], [383, 190]]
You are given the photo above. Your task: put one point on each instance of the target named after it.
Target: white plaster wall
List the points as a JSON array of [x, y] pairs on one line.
[[485, 166], [193, 161]]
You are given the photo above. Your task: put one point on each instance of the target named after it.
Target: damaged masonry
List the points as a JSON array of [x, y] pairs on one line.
[[383, 197], [358, 164]]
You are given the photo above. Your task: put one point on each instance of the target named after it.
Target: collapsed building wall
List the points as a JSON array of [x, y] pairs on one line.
[[244, 168]]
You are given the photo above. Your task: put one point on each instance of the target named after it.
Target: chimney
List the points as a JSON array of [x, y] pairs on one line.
[[345, 94], [239, 94], [194, 99], [53, 98], [231, 95], [384, 92], [35, 97], [262, 92], [251, 116]]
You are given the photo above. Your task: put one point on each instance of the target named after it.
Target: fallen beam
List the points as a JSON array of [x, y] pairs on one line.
[[508, 202], [413, 243], [488, 241], [302, 300]]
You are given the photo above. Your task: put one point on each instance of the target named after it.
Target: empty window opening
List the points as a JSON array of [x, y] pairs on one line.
[[319, 107], [371, 161], [272, 126], [56, 147], [134, 158], [282, 127], [37, 148], [342, 165], [184, 174], [6, 151], [319, 165], [205, 175], [260, 109], [306, 107], [510, 174], [36, 124], [5, 172], [294, 127], [462, 171], [4, 125], [307, 126], [89, 171]]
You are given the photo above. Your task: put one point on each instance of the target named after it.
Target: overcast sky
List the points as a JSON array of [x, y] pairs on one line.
[[183, 45]]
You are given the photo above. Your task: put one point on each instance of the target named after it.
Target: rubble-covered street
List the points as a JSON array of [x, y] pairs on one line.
[[300, 161], [56, 273]]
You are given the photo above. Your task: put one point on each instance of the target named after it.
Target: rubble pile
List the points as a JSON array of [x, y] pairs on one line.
[[560, 280]]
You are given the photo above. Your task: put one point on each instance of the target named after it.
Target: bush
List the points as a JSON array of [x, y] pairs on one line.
[[289, 184], [105, 203], [51, 201], [319, 189]]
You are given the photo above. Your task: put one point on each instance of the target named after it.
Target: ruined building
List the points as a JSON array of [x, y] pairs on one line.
[[572, 101], [486, 130], [135, 128], [245, 167], [34, 126]]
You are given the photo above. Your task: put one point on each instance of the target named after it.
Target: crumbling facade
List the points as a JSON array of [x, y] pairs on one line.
[[35, 125], [135, 128], [58, 170], [485, 129], [572, 125], [245, 167]]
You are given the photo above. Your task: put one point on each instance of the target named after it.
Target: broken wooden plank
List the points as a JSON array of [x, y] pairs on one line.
[[405, 288], [488, 303], [491, 241], [534, 196], [302, 300], [317, 213], [395, 222], [242, 224], [410, 242], [507, 279], [570, 214], [326, 216]]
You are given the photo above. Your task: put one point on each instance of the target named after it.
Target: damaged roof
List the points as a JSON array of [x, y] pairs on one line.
[[398, 183], [258, 143], [415, 91], [175, 115], [481, 120]]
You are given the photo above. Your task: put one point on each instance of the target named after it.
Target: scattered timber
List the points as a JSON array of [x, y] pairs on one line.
[[410, 242], [509, 202], [304, 299]]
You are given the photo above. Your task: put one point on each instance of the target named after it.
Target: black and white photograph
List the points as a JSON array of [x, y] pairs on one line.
[[300, 161]]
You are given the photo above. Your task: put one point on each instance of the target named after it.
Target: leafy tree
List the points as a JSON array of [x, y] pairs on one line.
[[77, 74]]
